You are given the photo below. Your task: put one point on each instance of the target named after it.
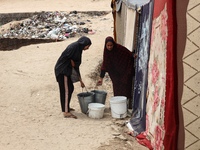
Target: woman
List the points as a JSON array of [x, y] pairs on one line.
[[118, 62], [67, 72]]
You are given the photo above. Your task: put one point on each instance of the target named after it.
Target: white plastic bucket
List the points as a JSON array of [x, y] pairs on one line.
[[96, 110], [118, 106]]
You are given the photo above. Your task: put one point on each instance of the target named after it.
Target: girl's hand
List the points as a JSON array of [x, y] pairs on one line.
[[73, 64], [82, 84]]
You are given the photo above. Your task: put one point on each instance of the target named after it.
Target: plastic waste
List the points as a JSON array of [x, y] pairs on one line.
[[53, 25]]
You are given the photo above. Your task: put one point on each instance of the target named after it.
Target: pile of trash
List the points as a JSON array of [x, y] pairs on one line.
[[50, 25]]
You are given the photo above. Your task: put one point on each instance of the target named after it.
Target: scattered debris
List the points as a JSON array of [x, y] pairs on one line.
[[49, 25]]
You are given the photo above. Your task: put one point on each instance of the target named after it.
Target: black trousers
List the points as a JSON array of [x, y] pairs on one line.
[[65, 102]]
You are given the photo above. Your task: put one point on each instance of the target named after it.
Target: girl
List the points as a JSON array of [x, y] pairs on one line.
[[67, 72]]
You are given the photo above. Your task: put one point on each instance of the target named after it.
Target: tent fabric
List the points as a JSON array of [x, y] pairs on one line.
[[126, 20], [114, 18], [138, 121], [120, 25], [118, 4], [135, 3], [162, 105], [130, 25]]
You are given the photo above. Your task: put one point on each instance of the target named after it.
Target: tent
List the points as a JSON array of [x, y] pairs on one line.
[[149, 28]]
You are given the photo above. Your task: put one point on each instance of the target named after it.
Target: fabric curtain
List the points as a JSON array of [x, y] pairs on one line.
[[162, 100], [120, 24], [130, 26], [140, 88]]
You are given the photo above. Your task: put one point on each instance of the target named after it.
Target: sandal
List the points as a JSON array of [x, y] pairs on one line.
[[70, 116]]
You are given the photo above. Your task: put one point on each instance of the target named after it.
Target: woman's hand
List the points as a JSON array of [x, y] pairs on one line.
[[100, 82]]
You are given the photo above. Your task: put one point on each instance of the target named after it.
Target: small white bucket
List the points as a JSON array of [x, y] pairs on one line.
[[96, 110], [118, 106]]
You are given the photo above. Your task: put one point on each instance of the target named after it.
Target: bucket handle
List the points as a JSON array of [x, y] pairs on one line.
[[87, 113], [85, 89], [82, 92]]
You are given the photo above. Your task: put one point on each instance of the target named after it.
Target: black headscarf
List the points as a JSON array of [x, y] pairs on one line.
[[72, 52]]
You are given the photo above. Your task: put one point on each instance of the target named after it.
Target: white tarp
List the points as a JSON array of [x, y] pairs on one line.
[[130, 25]]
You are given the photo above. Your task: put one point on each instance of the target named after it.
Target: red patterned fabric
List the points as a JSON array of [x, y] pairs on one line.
[[119, 64], [162, 119]]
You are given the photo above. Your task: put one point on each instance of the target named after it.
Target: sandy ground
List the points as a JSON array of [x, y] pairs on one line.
[[31, 117]]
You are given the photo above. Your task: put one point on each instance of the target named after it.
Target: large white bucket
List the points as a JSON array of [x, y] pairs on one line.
[[118, 106], [96, 110]]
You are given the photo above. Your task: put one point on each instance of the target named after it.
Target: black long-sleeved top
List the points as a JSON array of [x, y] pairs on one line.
[[72, 52]]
